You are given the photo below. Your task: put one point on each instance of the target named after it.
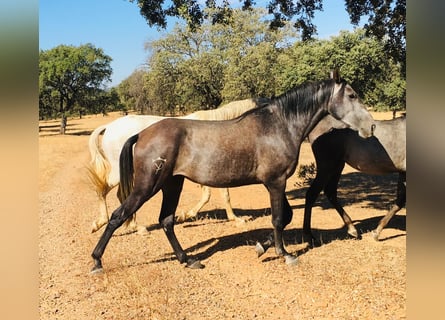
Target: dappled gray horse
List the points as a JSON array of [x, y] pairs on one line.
[[260, 147]]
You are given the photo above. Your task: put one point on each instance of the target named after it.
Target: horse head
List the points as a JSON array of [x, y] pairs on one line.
[[346, 106]]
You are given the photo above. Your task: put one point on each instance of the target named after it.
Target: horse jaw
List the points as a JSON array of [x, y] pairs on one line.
[[361, 121]]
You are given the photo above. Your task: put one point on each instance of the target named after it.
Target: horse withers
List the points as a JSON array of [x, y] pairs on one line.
[[260, 147], [334, 145]]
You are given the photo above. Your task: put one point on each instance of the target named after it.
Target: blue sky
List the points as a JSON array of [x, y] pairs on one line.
[[117, 27]]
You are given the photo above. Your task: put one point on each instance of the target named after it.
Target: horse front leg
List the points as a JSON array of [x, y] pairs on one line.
[[281, 217]]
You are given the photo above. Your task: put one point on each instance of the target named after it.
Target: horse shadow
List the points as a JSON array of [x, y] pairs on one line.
[[376, 191], [220, 215], [207, 248]]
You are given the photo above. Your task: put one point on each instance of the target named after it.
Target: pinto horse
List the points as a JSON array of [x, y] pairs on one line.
[[260, 147], [103, 168], [334, 145]]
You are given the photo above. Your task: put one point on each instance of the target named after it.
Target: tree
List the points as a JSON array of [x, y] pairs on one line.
[[386, 18], [362, 62], [251, 52], [215, 63], [133, 92], [69, 75]]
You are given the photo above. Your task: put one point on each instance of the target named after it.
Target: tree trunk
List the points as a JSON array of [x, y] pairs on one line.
[[63, 124]]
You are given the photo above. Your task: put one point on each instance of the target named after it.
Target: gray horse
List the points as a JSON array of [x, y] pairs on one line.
[[334, 145]]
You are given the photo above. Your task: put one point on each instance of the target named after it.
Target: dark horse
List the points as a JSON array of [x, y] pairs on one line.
[[334, 145], [259, 147]]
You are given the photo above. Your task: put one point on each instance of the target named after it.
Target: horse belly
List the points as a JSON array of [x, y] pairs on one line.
[[218, 163], [371, 162], [215, 170]]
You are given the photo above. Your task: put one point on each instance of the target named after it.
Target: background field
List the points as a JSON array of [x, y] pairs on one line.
[[342, 279]]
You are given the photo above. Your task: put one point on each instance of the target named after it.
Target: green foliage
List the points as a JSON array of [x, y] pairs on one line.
[[386, 19], [200, 69], [244, 58], [69, 76], [133, 93], [362, 62], [306, 173]]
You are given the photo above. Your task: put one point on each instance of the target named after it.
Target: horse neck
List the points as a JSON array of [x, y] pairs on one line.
[[305, 106], [313, 121], [325, 125], [299, 125]]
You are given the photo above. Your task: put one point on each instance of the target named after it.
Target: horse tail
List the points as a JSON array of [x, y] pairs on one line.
[[126, 169], [99, 166]]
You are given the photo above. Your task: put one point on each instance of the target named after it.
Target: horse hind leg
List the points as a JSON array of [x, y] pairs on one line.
[[330, 191], [171, 192], [131, 225], [311, 196], [400, 203], [118, 217], [193, 212], [103, 218], [225, 195]]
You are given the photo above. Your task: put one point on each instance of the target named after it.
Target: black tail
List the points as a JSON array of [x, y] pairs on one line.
[[126, 169]]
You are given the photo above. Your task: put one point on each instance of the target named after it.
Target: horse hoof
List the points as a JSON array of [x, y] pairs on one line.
[[194, 264], [375, 235], [96, 270], [142, 231], [353, 233], [291, 260], [94, 227], [259, 249]]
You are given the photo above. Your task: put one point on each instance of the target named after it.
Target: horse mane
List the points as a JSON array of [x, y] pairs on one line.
[[305, 97]]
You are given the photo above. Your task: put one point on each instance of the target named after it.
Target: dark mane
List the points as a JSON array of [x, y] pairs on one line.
[[304, 98], [301, 99]]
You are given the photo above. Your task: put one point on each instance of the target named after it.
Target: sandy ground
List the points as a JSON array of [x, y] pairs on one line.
[[342, 279]]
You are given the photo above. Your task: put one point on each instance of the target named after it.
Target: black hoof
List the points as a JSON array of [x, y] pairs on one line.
[[291, 260], [194, 264], [259, 249]]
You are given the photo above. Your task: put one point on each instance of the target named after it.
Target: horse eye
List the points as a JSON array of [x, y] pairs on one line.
[[352, 96]]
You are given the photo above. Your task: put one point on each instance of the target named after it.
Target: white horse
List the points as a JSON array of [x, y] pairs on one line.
[[103, 168]]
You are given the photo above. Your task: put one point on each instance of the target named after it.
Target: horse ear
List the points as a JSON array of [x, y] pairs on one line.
[[335, 74]]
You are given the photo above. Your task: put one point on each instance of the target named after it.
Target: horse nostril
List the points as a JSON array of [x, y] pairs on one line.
[[372, 129]]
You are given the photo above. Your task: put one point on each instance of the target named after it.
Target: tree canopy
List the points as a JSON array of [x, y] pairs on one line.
[[386, 18], [244, 58], [69, 76]]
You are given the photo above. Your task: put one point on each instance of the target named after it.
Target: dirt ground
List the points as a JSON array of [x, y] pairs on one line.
[[342, 279]]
